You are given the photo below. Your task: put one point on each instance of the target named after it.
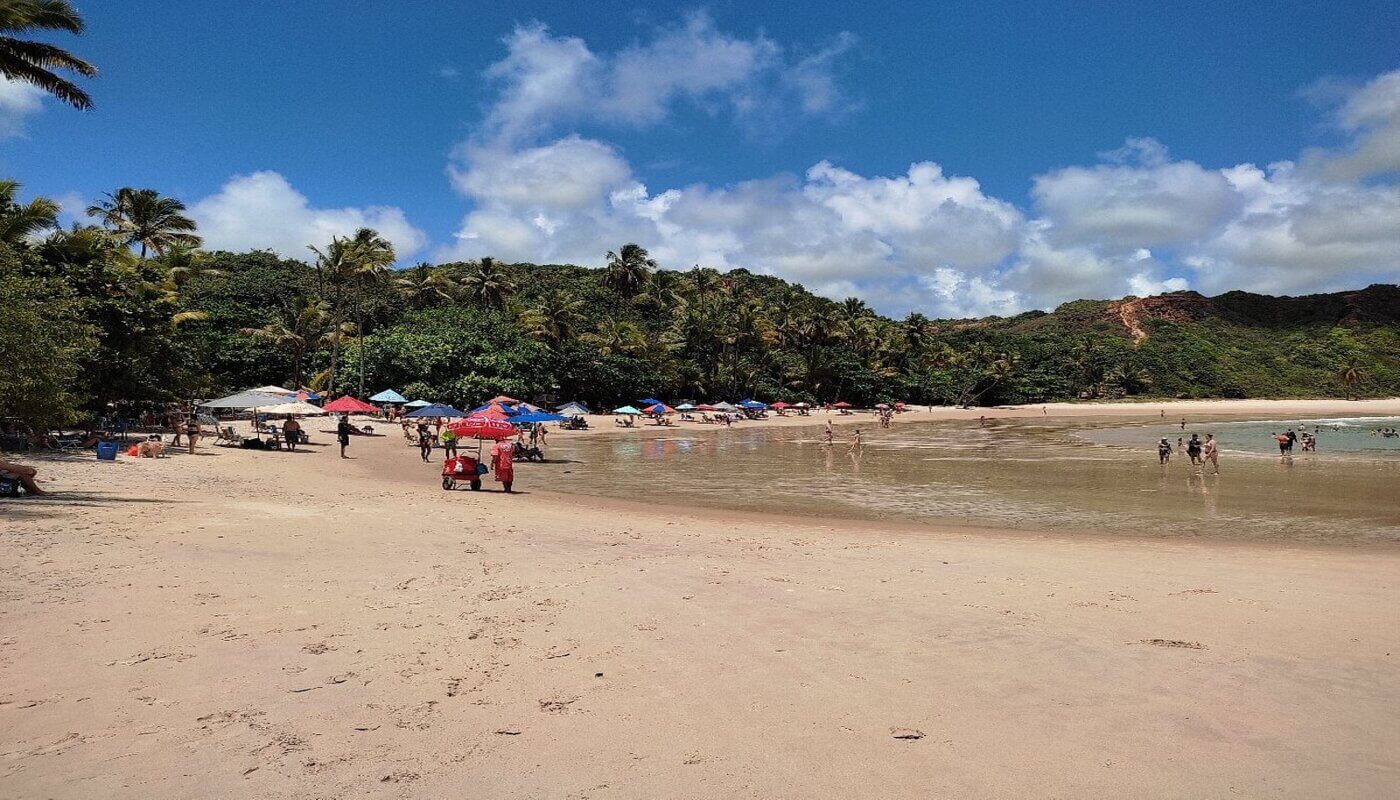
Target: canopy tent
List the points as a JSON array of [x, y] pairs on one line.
[[436, 410], [537, 416], [349, 405], [706, 407], [388, 396], [781, 404], [752, 404], [628, 410], [660, 408], [249, 399], [573, 409], [478, 427], [650, 401], [685, 407], [273, 390], [294, 407], [416, 404], [723, 406]]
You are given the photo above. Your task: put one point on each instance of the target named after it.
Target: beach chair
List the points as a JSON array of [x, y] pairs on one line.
[[228, 436]]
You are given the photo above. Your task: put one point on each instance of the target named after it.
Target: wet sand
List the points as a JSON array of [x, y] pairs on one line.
[[245, 624]]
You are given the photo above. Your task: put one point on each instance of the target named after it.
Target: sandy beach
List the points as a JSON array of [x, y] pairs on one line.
[[248, 624]]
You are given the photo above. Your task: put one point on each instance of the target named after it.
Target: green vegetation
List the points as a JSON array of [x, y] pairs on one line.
[[34, 62], [128, 313]]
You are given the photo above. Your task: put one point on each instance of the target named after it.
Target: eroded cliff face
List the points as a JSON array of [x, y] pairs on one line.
[[1374, 305]]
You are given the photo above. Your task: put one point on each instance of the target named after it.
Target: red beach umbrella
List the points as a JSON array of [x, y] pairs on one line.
[[660, 408], [781, 404], [351, 405], [842, 404], [705, 407], [480, 426]]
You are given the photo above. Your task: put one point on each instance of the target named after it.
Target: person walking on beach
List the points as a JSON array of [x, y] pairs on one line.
[[192, 430], [425, 442], [342, 432], [1164, 451], [503, 463], [291, 432], [1211, 452]]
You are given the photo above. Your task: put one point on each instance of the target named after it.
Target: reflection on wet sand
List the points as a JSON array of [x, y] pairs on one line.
[[1097, 476]]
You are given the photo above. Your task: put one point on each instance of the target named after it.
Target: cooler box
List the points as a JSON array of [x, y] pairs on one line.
[[106, 451]]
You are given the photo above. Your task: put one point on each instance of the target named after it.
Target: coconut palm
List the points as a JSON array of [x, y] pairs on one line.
[[424, 285], [486, 284], [1351, 375], [143, 217], [300, 326], [612, 337], [555, 319], [33, 62], [628, 269], [19, 223]]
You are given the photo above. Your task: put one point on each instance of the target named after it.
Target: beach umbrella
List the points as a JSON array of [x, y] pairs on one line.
[[781, 404], [434, 410], [479, 427], [388, 396], [723, 406], [306, 395], [295, 407], [629, 410], [495, 409], [753, 404], [842, 404], [349, 405], [685, 407], [650, 401], [249, 399], [801, 405], [273, 390], [573, 408], [882, 406], [416, 404], [660, 408], [706, 407], [537, 416]]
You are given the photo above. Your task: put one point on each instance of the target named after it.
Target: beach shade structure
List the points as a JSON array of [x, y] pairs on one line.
[[347, 404], [685, 407], [388, 396], [498, 410], [416, 404], [435, 410], [503, 400], [273, 390], [801, 405], [752, 404], [479, 427], [521, 408], [781, 404], [295, 407], [706, 407], [537, 416], [306, 395], [659, 408], [249, 399], [627, 411], [882, 406], [650, 401], [841, 404], [724, 406], [573, 409]]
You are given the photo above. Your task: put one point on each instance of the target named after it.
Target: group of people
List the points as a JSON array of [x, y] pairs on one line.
[[1286, 441], [1385, 433], [1200, 452]]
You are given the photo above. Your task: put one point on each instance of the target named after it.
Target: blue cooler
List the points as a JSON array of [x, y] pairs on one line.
[[107, 451]]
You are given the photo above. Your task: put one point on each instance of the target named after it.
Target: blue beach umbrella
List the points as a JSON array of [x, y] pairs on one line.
[[650, 401], [388, 396], [753, 404], [436, 410], [537, 416]]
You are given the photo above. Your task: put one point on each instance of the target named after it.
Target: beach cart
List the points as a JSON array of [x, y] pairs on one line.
[[462, 469]]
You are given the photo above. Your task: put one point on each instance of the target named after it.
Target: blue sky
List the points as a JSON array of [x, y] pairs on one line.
[[951, 157]]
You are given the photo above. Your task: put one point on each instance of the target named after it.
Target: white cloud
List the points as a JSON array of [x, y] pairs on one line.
[[1370, 115], [262, 211], [18, 101]]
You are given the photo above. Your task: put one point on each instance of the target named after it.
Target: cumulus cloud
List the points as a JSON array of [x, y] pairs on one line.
[[262, 211], [1136, 221], [18, 101], [1370, 116], [547, 80]]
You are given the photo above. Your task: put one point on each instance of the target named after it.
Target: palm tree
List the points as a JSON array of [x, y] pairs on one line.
[[144, 217], [628, 269], [487, 285], [33, 62], [300, 326], [424, 285], [617, 338], [19, 223], [555, 319], [1351, 375], [371, 256]]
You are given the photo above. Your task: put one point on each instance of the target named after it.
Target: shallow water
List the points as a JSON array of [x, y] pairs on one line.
[[1091, 475]]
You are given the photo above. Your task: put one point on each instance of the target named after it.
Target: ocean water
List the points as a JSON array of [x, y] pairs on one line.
[[1097, 476]]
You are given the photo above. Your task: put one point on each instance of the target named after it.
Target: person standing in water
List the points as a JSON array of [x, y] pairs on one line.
[[1193, 449], [855, 441], [1211, 453], [1164, 451]]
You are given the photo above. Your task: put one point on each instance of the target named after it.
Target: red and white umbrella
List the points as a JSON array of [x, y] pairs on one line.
[[482, 427]]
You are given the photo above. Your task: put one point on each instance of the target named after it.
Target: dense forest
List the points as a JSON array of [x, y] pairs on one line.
[[128, 312]]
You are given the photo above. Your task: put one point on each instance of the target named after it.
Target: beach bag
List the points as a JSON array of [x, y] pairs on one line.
[[481, 469], [9, 487], [133, 451]]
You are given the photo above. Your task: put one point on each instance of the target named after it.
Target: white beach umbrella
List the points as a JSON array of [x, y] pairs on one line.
[[295, 407]]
